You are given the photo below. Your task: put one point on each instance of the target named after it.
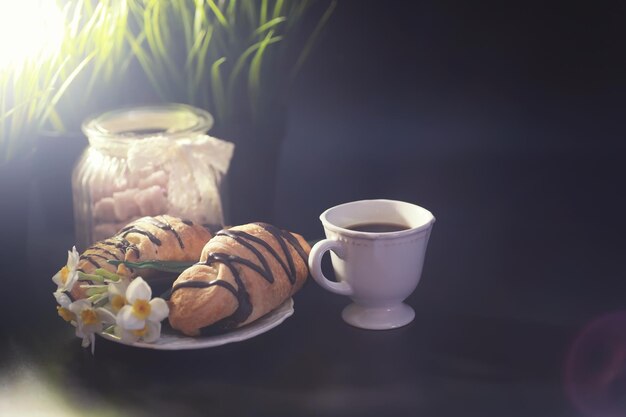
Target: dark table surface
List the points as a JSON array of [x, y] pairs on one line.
[[517, 314]]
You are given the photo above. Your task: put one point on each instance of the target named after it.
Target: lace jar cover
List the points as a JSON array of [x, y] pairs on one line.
[[148, 161]]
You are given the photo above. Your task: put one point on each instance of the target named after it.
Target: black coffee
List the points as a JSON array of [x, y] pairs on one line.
[[378, 227]]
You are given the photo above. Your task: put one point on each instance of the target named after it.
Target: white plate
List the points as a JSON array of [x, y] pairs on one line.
[[177, 341]]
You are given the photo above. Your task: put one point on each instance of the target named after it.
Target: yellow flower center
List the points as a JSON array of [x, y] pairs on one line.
[[117, 302], [88, 316], [65, 272], [66, 314], [141, 309], [141, 332]]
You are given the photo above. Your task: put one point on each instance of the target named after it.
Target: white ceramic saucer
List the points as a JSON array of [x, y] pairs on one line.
[[177, 341]]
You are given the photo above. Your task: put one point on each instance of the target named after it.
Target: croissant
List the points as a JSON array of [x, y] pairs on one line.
[[161, 238], [244, 273]]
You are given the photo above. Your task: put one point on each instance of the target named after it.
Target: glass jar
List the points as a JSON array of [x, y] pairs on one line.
[[147, 161]]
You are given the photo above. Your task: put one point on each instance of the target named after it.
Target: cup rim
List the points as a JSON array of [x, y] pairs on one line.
[[376, 235]]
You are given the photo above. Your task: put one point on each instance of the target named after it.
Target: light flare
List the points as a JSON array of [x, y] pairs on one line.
[[29, 30]]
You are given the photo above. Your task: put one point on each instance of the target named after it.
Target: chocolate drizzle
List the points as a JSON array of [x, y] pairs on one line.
[[159, 222], [108, 252], [89, 258], [244, 308], [119, 243], [136, 229], [164, 225]]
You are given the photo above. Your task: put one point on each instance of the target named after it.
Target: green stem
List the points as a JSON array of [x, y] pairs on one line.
[[163, 266]]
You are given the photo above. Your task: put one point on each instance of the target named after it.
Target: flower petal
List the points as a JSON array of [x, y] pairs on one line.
[[88, 329], [57, 279], [72, 278], [62, 299], [105, 316], [86, 341], [158, 310], [126, 336], [79, 332], [118, 288], [72, 258], [79, 305], [127, 320], [154, 332], [138, 290], [113, 290]]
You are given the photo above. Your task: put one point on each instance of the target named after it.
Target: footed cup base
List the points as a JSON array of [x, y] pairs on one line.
[[378, 318]]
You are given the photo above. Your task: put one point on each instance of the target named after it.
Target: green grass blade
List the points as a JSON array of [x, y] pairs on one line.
[[56, 121], [254, 74], [66, 84], [217, 87], [195, 49], [296, 11], [183, 12], [308, 46], [269, 25], [241, 62], [263, 13], [249, 13], [202, 56], [199, 18], [146, 64], [278, 7], [230, 11], [218, 13]]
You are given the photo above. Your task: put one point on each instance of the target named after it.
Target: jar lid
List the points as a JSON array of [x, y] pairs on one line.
[[172, 120]]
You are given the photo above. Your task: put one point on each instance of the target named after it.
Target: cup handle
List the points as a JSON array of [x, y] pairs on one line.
[[315, 266]]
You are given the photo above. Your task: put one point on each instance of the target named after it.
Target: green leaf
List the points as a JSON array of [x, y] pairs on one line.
[[163, 266]]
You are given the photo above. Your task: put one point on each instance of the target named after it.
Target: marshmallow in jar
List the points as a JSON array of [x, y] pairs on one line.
[[147, 161]]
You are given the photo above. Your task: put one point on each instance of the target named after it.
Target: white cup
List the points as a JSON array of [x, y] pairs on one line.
[[377, 270]]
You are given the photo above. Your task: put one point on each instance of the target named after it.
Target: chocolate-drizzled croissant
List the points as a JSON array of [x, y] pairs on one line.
[[244, 273], [161, 238]]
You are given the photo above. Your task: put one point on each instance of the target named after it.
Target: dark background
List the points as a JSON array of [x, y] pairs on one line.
[[505, 119]]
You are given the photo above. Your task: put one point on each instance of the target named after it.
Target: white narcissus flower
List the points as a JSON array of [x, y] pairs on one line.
[[150, 333], [89, 321], [63, 308], [141, 317], [68, 275], [117, 294]]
